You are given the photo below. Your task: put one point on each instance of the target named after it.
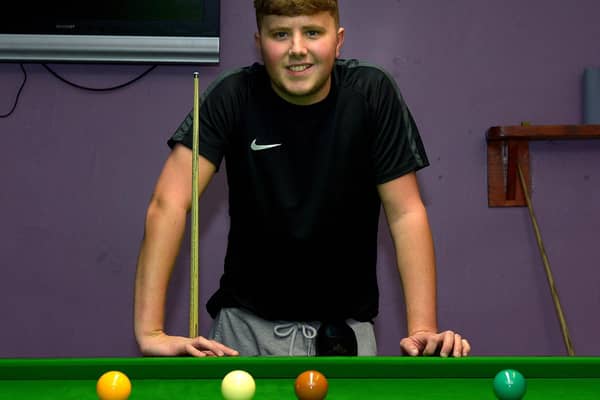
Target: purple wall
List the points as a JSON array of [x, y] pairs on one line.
[[77, 169]]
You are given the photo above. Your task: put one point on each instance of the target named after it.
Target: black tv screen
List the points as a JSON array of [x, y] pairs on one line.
[[118, 31]]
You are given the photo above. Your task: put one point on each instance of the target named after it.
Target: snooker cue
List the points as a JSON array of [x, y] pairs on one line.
[[194, 228], [561, 318]]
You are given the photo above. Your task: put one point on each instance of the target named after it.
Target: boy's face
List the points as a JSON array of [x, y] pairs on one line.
[[299, 53]]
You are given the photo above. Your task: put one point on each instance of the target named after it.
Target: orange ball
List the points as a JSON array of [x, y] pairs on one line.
[[113, 385], [311, 385]]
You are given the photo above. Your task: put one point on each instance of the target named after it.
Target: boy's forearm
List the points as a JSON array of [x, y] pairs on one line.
[[164, 230], [416, 263]]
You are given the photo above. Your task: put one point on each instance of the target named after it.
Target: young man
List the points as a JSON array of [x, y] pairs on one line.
[[313, 147]]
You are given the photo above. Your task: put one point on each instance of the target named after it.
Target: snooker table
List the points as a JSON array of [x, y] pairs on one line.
[[350, 378]]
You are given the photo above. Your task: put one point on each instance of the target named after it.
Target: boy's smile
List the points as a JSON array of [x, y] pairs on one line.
[[299, 53]]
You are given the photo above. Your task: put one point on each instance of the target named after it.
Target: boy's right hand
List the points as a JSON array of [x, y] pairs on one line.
[[161, 344]]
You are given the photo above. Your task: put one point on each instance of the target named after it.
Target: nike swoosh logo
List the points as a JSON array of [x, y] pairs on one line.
[[259, 147]]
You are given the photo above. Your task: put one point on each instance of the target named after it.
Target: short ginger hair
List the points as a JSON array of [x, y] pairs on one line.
[[293, 8]]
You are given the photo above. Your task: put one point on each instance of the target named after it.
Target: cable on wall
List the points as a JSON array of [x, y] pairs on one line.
[[18, 93], [14, 106], [98, 89]]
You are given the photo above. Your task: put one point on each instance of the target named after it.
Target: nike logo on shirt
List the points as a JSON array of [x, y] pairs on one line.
[[259, 147]]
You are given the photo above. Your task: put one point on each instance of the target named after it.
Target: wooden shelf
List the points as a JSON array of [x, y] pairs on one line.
[[508, 146]]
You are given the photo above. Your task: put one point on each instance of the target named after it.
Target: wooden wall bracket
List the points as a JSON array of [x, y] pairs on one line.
[[508, 147]]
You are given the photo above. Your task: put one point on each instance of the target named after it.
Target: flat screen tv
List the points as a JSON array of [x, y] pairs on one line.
[[113, 31]]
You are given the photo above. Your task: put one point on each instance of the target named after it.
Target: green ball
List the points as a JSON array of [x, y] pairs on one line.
[[509, 384]]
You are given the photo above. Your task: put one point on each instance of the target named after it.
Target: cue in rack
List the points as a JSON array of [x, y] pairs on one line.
[[561, 318]]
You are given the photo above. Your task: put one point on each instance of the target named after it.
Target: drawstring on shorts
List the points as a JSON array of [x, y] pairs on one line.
[[284, 330]]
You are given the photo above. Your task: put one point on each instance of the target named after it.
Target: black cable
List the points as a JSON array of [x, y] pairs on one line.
[[99, 89], [18, 93], [14, 106]]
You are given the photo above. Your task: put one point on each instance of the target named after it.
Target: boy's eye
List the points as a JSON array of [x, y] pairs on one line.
[[312, 33], [280, 35]]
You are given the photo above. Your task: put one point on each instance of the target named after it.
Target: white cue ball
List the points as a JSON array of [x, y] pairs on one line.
[[238, 385]]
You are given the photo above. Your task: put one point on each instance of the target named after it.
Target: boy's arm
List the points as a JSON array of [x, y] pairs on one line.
[[163, 232], [409, 227]]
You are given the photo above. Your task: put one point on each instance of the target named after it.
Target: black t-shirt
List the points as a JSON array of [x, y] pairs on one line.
[[303, 199]]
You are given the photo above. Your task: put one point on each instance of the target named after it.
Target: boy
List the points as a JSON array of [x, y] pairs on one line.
[[314, 146]]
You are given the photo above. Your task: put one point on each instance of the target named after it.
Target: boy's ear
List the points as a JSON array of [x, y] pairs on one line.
[[257, 40], [340, 41]]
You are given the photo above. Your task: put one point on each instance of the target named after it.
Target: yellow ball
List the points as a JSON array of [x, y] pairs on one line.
[[113, 385], [238, 385]]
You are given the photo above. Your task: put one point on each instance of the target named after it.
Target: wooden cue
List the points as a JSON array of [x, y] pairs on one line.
[[561, 318], [194, 228]]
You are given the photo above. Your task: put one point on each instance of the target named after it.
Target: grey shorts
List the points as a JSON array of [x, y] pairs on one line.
[[254, 336]]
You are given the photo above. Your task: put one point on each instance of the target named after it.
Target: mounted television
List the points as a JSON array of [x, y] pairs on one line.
[[113, 31]]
